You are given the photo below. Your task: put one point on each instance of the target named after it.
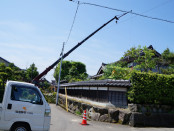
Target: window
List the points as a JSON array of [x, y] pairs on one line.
[[25, 94]]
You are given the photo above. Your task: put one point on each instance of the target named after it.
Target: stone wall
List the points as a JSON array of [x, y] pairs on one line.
[[151, 115], [96, 112], [144, 108], [151, 120], [135, 115]]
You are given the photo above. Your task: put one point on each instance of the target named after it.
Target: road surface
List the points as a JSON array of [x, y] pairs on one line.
[[65, 121]]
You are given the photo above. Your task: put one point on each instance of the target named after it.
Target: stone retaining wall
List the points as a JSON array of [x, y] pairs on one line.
[[151, 115], [135, 115], [144, 108], [151, 120], [96, 112]]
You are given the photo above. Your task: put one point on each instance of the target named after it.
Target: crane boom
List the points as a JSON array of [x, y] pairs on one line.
[[37, 78]]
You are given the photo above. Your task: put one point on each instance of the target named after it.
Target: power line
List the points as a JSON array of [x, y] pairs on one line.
[[134, 13], [73, 22], [157, 6], [148, 10]]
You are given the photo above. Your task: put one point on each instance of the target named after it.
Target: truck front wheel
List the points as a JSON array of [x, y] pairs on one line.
[[20, 127]]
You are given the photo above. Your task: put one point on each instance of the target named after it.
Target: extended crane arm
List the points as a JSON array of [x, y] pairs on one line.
[[37, 78]]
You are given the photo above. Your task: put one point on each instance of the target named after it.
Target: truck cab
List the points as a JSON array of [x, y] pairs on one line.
[[24, 108]]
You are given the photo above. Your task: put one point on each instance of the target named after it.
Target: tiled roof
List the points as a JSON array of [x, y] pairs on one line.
[[99, 83], [6, 62]]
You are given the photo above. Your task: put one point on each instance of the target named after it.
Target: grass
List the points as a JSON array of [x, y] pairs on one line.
[[78, 113]]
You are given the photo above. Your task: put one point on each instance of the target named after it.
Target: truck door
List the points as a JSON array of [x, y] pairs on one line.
[[25, 104]]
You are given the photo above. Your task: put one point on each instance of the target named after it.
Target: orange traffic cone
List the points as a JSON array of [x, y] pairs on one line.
[[84, 121]]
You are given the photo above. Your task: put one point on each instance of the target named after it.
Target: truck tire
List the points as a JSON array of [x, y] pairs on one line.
[[20, 127]]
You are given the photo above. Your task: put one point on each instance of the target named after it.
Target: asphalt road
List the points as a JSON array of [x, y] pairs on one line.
[[65, 121]]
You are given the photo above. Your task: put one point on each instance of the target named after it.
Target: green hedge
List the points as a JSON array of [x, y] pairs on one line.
[[151, 88]]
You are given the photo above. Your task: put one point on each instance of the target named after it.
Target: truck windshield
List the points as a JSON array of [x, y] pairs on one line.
[[25, 94]]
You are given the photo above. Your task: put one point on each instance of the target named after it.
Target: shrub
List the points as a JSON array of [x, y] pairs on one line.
[[51, 97], [115, 72], [151, 88]]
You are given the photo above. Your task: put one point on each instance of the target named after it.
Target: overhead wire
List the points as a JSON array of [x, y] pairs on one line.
[[157, 6], [149, 10], [78, 3], [64, 43], [134, 13]]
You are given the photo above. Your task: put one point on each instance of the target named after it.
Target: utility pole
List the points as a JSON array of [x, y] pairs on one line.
[[58, 82]]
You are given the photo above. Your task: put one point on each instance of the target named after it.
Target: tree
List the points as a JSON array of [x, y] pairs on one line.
[[71, 71], [116, 72], [44, 84], [145, 60], [4, 73], [143, 57], [31, 72], [168, 59], [132, 52], [10, 72], [17, 74]]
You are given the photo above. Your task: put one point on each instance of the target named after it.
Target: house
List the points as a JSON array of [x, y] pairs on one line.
[[130, 62], [99, 72], [2, 60], [7, 63]]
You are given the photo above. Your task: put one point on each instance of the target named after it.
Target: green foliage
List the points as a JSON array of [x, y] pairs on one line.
[[51, 97], [143, 57], [10, 72], [45, 86], [121, 64], [78, 113], [167, 71], [168, 59], [31, 72], [151, 88], [168, 56], [71, 71], [115, 72], [145, 61], [132, 52], [74, 80]]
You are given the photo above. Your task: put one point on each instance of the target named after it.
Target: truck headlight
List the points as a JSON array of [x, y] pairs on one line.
[[47, 112]]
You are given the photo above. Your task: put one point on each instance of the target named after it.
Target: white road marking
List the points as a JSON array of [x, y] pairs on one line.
[[74, 120]]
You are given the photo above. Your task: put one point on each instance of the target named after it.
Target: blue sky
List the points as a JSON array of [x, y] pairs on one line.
[[33, 31]]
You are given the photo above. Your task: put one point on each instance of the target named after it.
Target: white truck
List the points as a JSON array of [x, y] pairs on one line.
[[24, 108]]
